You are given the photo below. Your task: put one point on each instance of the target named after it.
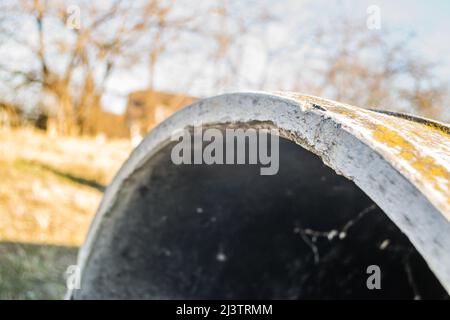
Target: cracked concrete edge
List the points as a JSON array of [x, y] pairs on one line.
[[356, 143], [419, 148]]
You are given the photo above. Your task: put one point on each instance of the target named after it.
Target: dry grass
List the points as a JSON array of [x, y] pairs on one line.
[[50, 188]]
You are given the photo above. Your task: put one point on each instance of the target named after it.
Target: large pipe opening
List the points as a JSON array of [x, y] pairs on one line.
[[225, 231]]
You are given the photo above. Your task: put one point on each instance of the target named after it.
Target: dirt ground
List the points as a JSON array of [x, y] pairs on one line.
[[50, 188]]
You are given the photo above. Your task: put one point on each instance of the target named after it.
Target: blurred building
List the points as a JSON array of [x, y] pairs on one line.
[[108, 124], [147, 108], [95, 122]]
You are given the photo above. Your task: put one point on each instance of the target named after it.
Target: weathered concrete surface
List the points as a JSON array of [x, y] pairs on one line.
[[418, 148], [402, 165]]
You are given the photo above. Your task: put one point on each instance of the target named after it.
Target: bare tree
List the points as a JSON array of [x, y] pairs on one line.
[[370, 69], [71, 64]]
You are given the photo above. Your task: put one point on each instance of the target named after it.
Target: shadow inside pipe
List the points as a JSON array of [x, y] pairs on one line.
[[226, 232]]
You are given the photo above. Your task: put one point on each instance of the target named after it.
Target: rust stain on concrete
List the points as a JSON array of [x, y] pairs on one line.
[[418, 148]]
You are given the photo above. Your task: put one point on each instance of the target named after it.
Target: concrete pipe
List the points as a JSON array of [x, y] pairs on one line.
[[356, 193]]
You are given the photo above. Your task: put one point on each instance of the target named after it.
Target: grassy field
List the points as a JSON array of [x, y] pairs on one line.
[[50, 188]]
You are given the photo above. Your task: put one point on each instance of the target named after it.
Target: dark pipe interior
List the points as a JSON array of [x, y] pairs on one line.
[[225, 231]]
